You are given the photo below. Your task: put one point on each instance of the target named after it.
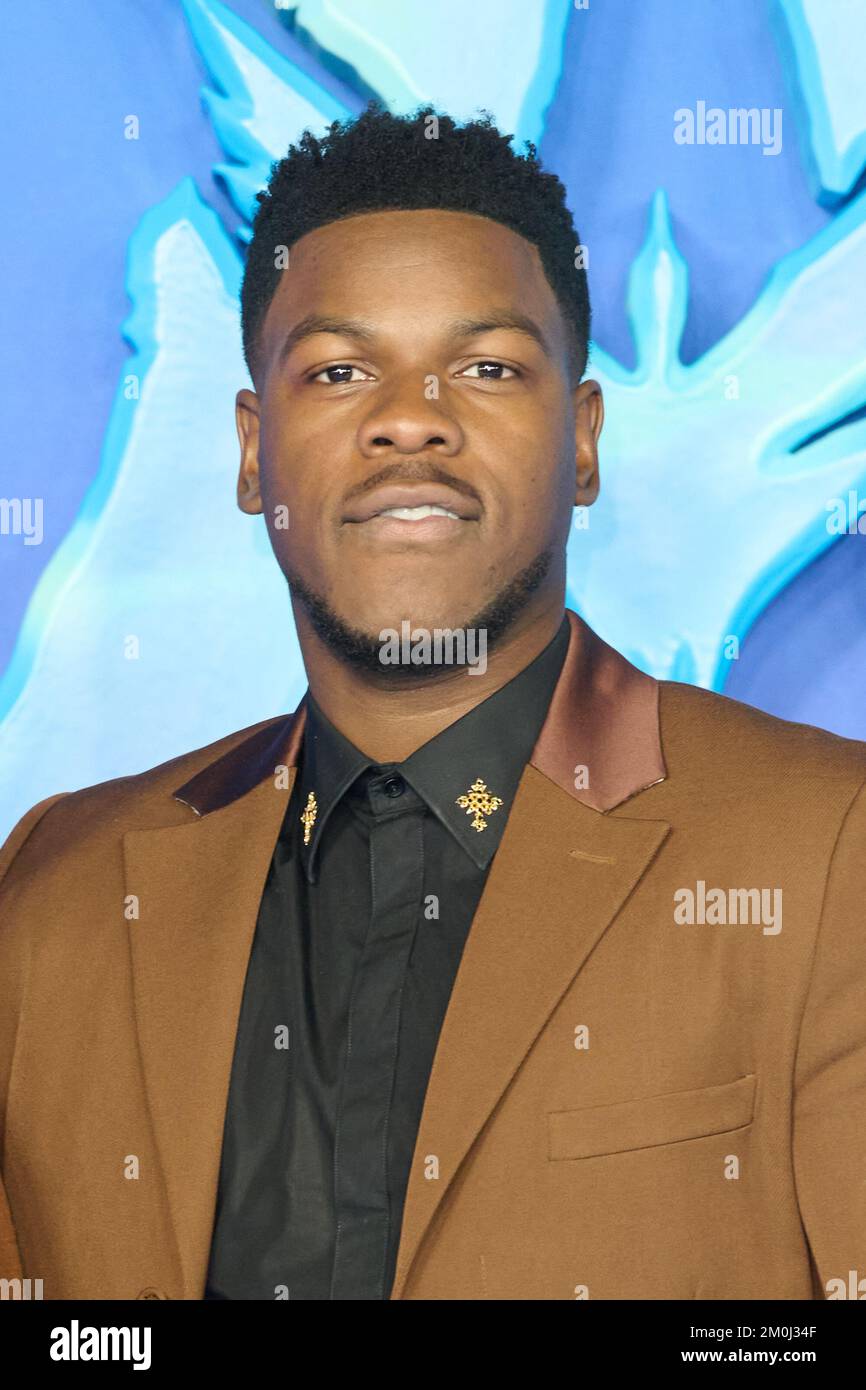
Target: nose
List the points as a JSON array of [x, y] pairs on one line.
[[409, 417]]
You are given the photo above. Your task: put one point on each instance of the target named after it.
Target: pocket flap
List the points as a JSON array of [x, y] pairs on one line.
[[642, 1124]]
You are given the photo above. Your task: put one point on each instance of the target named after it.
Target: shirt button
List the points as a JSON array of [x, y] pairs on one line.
[[394, 786]]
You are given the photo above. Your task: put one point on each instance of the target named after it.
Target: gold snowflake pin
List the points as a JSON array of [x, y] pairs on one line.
[[308, 817], [478, 803]]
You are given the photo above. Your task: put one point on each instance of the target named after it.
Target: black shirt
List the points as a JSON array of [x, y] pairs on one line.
[[358, 941]]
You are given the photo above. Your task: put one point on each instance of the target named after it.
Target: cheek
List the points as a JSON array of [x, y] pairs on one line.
[[282, 516], [279, 475], [544, 515], [542, 487], [297, 467]]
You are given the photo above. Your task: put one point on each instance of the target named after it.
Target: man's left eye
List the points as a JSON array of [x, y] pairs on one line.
[[496, 366]]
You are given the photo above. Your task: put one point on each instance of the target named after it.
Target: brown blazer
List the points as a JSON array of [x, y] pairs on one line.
[[622, 1105]]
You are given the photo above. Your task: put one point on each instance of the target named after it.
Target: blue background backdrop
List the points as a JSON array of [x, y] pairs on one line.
[[77, 192]]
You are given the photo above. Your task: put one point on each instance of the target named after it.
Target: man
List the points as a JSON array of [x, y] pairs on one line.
[[500, 969]]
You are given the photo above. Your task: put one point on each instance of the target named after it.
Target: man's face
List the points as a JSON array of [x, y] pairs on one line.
[[404, 400]]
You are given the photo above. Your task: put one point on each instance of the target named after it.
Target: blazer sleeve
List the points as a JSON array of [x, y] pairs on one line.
[[829, 1122], [10, 1259]]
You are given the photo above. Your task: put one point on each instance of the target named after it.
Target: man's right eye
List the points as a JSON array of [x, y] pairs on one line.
[[339, 367]]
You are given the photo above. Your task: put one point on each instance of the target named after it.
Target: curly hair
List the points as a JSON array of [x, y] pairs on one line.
[[379, 161]]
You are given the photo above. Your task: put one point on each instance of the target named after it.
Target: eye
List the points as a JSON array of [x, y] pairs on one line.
[[496, 366], [338, 367]]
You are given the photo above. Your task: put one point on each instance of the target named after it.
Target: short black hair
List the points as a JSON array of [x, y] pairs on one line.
[[379, 161]]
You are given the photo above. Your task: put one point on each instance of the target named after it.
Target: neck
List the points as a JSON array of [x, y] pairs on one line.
[[388, 723]]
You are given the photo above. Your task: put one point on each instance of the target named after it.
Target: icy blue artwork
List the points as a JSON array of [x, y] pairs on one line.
[[827, 40], [719, 474]]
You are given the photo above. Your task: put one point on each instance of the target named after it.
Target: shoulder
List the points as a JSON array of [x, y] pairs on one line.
[[69, 820], [708, 734]]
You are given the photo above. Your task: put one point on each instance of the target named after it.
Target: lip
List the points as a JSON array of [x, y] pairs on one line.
[[367, 509], [428, 528]]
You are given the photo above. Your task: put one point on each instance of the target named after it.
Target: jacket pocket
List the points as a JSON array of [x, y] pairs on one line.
[[654, 1120]]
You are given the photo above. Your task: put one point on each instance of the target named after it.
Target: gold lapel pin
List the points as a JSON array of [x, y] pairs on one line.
[[477, 801], [308, 817]]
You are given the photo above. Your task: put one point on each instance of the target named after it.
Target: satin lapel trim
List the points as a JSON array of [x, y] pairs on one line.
[[199, 887], [561, 874], [273, 747], [601, 738]]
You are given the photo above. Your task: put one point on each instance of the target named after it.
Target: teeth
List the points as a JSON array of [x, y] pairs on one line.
[[417, 513]]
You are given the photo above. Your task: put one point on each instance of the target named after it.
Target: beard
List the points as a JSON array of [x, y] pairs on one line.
[[363, 652]]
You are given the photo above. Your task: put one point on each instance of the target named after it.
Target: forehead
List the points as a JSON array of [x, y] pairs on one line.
[[397, 264]]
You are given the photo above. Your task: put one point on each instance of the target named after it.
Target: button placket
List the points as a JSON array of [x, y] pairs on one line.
[[360, 1161]]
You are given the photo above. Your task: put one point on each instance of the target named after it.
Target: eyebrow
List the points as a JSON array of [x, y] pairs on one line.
[[457, 330], [500, 318], [325, 323]]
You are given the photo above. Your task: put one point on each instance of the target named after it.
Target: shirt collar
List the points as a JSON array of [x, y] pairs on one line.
[[604, 721], [467, 775]]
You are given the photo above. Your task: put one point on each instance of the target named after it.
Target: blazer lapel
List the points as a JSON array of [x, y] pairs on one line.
[[199, 886], [561, 873]]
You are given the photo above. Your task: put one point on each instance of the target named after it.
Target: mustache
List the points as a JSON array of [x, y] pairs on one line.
[[420, 471]]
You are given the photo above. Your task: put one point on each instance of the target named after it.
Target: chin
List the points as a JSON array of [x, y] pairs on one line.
[[420, 614], [401, 596]]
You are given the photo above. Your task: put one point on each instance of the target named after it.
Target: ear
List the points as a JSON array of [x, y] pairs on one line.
[[588, 421], [247, 422]]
